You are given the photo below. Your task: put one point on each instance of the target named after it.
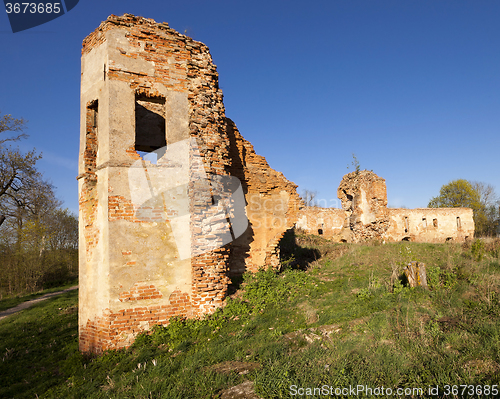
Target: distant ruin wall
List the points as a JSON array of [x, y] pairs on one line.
[[160, 171], [430, 224], [326, 222], [365, 216]]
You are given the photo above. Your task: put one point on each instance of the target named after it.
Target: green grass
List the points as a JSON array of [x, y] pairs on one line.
[[10, 302], [340, 322]]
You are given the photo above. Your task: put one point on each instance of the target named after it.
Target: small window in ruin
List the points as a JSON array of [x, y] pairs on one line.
[[407, 225], [90, 154], [150, 131], [406, 239], [448, 239], [320, 232], [424, 222], [459, 224], [435, 222], [92, 115]]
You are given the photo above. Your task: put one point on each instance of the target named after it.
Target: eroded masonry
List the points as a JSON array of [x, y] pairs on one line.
[[365, 216], [173, 199]]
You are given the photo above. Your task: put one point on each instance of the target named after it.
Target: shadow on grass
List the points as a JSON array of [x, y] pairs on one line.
[[295, 256]]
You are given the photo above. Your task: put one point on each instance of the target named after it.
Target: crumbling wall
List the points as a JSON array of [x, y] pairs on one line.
[[364, 199], [272, 206], [327, 222], [430, 225], [365, 216], [156, 89]]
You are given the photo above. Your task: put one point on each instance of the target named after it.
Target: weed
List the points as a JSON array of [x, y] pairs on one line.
[[269, 287], [477, 250], [364, 294], [335, 324]]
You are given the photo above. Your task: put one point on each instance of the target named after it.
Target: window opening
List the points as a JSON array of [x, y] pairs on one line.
[[435, 222], [150, 131], [407, 225], [459, 224], [424, 221], [90, 155]]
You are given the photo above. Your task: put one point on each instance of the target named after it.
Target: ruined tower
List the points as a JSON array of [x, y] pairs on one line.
[[172, 199], [364, 199]]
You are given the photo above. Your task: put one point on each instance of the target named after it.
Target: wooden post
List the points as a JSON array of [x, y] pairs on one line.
[[416, 275]]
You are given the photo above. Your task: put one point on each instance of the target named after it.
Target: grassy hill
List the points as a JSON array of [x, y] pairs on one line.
[[337, 315]]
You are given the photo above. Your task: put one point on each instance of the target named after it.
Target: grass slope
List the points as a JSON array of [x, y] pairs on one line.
[[341, 322]]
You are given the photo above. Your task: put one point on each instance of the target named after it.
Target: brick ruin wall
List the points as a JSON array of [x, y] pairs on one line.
[[132, 274], [136, 73], [272, 206], [364, 216]]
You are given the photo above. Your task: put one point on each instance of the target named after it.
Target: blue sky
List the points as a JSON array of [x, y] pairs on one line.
[[411, 87]]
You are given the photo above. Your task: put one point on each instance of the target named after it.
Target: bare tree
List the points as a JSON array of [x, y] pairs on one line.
[[18, 179], [10, 124], [490, 212], [18, 173], [37, 239], [309, 197]]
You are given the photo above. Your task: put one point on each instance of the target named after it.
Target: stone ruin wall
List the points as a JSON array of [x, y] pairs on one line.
[[365, 216], [364, 200], [132, 275], [327, 222], [434, 225]]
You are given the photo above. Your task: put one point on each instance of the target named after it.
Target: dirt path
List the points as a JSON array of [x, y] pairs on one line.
[[27, 304]]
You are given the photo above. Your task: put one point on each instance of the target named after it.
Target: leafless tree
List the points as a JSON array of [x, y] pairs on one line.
[[490, 203], [309, 197], [10, 124], [37, 238]]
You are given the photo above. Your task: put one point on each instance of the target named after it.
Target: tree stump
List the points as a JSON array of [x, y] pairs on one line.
[[416, 275]]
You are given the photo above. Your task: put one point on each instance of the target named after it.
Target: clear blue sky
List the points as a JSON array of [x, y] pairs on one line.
[[412, 87]]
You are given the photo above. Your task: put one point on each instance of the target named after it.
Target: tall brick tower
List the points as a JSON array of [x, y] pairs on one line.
[[160, 172]]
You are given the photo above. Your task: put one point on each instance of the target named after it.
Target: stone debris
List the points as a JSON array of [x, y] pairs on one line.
[[245, 390], [314, 334], [234, 366]]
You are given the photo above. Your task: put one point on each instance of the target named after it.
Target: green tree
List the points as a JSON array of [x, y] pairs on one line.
[[478, 196], [455, 194]]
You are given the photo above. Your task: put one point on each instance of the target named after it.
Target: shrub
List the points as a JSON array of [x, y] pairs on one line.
[[477, 250], [269, 287]]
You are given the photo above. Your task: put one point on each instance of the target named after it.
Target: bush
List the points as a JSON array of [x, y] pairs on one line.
[[477, 250], [269, 287]]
